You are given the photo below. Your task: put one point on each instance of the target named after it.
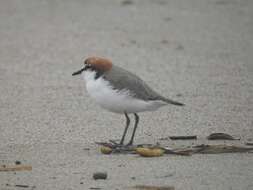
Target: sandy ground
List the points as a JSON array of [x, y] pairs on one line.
[[195, 51]]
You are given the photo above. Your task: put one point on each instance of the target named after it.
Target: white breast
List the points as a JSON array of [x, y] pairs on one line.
[[113, 100]]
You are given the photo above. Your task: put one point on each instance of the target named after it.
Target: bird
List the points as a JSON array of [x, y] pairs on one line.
[[120, 91]]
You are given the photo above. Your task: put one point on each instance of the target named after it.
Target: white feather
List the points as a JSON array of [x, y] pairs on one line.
[[114, 100]]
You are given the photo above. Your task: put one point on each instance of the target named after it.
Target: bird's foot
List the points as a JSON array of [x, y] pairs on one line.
[[121, 145], [116, 144]]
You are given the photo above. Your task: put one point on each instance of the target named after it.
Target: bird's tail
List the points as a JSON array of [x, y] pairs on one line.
[[172, 102]]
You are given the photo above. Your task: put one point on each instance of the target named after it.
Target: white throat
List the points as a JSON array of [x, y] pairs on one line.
[[88, 76]]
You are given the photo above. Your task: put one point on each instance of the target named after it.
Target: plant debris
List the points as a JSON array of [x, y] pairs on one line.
[[149, 150], [8, 168], [217, 149], [221, 136]]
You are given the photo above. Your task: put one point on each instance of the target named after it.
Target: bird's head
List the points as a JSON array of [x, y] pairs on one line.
[[95, 64]]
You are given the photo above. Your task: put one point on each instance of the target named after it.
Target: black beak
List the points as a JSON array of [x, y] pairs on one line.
[[78, 72]]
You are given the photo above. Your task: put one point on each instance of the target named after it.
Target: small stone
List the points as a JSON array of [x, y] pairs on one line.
[[180, 47], [167, 18], [99, 175], [164, 41], [127, 2], [17, 162], [133, 41]]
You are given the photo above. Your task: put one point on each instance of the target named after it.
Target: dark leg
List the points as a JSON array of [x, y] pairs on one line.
[[125, 131], [135, 127]]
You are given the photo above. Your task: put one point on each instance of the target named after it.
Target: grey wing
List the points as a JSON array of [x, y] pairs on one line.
[[123, 79]]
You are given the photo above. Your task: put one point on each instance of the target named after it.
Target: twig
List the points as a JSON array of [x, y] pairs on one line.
[[7, 168], [192, 137]]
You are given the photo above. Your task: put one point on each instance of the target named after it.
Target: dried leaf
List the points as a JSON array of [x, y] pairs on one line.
[[150, 152]]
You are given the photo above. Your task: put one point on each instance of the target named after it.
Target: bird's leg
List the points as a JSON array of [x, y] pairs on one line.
[[135, 127], [126, 128]]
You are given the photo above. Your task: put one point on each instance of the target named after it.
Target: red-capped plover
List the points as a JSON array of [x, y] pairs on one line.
[[120, 91]]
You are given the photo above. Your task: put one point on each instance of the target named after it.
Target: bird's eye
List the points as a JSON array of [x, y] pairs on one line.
[[88, 66]]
